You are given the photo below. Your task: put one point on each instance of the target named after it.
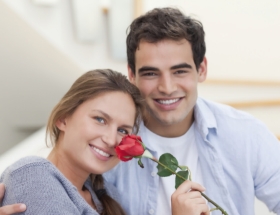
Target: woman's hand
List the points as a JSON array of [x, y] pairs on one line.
[[187, 200], [9, 209]]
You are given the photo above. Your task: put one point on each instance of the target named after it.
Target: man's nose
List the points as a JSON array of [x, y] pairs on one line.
[[167, 84]]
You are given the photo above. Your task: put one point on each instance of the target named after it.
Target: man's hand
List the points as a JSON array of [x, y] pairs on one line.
[[187, 200], [9, 209]]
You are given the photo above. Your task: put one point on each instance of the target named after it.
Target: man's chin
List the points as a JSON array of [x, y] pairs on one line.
[[165, 121], [158, 118]]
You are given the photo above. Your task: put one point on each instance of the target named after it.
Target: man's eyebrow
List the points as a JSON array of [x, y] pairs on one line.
[[147, 68], [150, 68], [182, 65]]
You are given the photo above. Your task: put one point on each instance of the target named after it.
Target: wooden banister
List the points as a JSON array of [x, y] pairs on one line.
[[243, 82], [260, 103]]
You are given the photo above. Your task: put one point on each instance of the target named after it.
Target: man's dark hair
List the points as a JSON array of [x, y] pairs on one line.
[[165, 23]]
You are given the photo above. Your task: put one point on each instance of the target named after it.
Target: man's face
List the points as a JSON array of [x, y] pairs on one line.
[[167, 77]]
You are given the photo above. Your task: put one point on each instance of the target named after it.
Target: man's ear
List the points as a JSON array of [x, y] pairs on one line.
[[131, 75], [61, 124], [202, 70]]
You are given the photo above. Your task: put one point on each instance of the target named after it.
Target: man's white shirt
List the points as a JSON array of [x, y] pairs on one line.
[[185, 151]]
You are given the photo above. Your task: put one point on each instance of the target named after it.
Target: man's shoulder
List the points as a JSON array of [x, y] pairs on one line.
[[224, 111], [119, 169], [126, 171], [231, 122], [111, 190]]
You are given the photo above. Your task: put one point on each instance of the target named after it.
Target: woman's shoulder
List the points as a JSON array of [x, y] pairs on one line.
[[27, 162], [42, 187], [28, 165], [34, 173]]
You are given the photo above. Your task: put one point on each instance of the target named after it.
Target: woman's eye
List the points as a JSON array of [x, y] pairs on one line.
[[123, 131], [100, 119]]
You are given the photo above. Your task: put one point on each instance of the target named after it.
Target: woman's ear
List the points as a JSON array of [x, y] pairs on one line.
[[61, 124]]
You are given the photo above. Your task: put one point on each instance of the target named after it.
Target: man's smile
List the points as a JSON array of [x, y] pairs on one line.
[[167, 101]]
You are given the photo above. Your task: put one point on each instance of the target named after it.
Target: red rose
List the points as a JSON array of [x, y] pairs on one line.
[[129, 147]]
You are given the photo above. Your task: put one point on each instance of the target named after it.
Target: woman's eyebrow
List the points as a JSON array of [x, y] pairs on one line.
[[104, 114], [110, 118], [127, 126]]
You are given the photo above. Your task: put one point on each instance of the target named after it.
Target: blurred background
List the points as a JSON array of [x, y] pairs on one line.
[[46, 44]]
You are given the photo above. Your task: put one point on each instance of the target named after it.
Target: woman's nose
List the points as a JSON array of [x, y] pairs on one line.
[[110, 138]]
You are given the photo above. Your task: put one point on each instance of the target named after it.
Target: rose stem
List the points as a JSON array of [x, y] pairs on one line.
[[205, 196]]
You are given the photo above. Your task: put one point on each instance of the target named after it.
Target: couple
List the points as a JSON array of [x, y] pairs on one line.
[[229, 152]]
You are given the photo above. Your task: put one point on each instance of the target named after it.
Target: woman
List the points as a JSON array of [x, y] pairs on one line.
[[84, 127]]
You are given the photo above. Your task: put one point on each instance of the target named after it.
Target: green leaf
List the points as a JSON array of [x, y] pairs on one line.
[[169, 165], [178, 180]]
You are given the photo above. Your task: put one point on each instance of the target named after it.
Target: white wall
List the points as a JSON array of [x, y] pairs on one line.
[[242, 36], [56, 25]]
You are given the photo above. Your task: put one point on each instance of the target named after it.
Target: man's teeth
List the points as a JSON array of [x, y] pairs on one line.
[[101, 152], [168, 102]]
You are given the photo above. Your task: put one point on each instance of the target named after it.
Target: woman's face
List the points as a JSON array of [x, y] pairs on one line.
[[90, 134]]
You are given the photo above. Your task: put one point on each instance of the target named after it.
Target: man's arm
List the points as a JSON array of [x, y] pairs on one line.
[[267, 173], [9, 209]]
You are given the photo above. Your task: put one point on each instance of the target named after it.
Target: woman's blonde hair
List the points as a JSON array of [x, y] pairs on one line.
[[88, 86]]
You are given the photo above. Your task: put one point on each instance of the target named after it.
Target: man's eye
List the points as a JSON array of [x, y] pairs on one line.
[[100, 119], [180, 71], [123, 131], [149, 74]]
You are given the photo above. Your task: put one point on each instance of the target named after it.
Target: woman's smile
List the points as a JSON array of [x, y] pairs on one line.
[[101, 154]]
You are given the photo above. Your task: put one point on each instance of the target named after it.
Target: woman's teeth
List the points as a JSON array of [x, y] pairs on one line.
[[101, 152]]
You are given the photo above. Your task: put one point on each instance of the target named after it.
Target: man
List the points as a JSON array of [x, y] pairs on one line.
[[229, 152]]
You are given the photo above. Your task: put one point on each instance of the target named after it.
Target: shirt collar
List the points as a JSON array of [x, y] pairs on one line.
[[204, 118]]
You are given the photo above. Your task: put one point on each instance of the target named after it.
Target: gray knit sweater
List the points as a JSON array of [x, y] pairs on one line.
[[36, 182]]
